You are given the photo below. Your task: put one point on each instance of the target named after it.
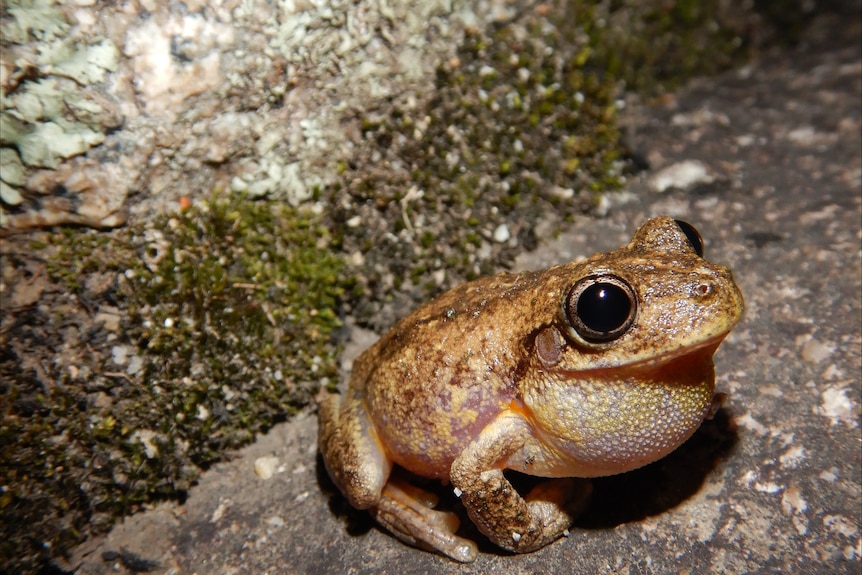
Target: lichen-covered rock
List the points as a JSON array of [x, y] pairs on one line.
[[179, 72]]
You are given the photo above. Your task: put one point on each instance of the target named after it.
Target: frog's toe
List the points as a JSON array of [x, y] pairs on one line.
[[556, 503], [406, 511], [418, 495]]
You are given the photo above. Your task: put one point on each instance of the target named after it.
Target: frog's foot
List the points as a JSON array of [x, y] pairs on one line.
[[524, 524], [407, 512], [556, 503]]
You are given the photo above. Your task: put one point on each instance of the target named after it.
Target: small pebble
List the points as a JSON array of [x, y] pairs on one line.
[[264, 467], [682, 175], [501, 234]]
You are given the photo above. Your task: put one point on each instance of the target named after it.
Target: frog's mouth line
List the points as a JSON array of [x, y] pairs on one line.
[[693, 353], [705, 348]]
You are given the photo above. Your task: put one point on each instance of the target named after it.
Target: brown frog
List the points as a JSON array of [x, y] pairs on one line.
[[580, 370]]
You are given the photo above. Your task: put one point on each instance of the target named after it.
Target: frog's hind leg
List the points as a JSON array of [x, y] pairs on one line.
[[406, 511], [359, 466], [352, 452]]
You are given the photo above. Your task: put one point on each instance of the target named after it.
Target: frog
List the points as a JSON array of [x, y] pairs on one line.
[[581, 370]]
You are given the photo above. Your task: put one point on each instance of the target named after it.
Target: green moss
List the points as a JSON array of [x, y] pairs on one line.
[[244, 292], [653, 46], [485, 149], [228, 310]]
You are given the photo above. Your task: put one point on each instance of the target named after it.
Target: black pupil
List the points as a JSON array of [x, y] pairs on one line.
[[692, 235], [603, 307]]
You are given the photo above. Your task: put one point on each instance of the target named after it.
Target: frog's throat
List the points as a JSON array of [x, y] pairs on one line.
[[608, 421]]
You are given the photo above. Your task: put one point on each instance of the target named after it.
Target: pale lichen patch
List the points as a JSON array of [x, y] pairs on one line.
[[747, 421], [793, 503], [815, 351], [836, 404], [793, 457]]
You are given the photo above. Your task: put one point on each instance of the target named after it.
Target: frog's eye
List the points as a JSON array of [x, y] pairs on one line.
[[692, 235], [601, 308]]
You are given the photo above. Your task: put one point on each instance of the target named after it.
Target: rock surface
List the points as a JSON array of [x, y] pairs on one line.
[[189, 96], [772, 485]]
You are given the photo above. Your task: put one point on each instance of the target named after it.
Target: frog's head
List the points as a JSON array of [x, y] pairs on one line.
[[625, 373]]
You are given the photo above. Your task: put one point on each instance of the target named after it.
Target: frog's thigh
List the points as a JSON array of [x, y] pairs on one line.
[[405, 510], [351, 450], [497, 509]]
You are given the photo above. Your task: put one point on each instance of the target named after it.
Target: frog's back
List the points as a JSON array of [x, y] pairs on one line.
[[445, 371]]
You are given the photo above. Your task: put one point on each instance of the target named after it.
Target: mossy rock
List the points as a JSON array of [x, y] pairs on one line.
[[228, 316]]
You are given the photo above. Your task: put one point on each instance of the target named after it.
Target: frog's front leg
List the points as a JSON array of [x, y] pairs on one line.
[[513, 522]]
